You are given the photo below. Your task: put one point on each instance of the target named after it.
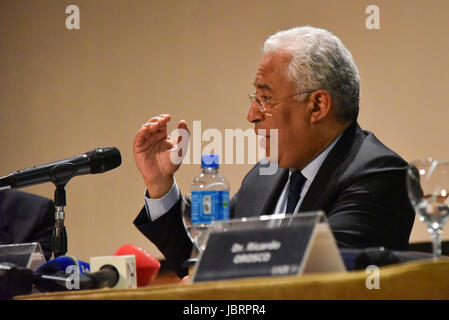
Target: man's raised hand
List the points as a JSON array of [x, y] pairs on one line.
[[157, 155]]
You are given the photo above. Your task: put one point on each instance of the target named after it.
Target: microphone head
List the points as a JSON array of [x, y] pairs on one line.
[[147, 266], [104, 159], [61, 263]]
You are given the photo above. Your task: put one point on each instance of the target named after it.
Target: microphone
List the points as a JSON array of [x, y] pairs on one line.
[[68, 273], [129, 267], [117, 272], [147, 266], [107, 276], [94, 161], [61, 264]]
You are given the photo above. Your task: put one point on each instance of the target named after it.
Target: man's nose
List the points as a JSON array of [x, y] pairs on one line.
[[254, 113]]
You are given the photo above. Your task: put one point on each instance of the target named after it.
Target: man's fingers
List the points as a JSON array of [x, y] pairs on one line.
[[183, 139], [141, 137], [148, 135], [152, 127], [158, 123], [162, 117], [182, 125], [155, 130]]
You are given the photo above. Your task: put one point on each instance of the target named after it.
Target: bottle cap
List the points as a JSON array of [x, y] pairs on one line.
[[209, 161]]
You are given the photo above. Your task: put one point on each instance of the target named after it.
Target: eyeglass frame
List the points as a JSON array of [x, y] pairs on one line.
[[254, 98]]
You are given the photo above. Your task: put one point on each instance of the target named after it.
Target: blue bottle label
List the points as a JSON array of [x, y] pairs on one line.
[[208, 206]]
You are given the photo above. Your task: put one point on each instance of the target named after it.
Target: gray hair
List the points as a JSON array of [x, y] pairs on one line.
[[320, 61]]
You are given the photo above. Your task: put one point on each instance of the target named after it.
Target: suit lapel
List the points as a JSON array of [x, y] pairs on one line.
[[262, 196], [323, 178], [273, 191]]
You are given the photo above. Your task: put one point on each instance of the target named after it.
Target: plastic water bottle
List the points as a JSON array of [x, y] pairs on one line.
[[210, 193]]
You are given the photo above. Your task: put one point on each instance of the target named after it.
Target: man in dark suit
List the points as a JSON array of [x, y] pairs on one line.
[[25, 218], [307, 91]]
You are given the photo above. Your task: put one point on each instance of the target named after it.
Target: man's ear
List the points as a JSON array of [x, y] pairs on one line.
[[321, 101]]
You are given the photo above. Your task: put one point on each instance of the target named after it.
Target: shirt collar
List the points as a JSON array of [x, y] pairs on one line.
[[310, 171]]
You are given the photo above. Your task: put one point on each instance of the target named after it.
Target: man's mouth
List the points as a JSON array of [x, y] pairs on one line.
[[262, 132], [263, 136], [263, 140]]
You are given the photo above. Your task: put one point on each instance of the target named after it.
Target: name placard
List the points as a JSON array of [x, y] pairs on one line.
[[260, 251]]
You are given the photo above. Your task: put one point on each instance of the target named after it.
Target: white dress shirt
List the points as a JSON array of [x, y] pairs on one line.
[[309, 172]]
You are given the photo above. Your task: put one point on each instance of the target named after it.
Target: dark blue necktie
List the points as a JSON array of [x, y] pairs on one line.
[[297, 181]]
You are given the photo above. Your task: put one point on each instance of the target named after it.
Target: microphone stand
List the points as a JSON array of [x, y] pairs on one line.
[[59, 236], [61, 174]]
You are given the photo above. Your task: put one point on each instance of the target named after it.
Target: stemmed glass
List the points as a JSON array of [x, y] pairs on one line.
[[196, 232], [428, 190]]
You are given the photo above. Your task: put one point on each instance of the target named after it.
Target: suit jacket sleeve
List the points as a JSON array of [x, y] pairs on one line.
[[169, 235]]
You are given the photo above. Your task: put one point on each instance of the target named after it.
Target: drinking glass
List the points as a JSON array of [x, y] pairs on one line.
[[428, 189], [196, 232]]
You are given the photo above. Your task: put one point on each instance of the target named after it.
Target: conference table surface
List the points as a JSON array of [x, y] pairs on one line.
[[423, 279]]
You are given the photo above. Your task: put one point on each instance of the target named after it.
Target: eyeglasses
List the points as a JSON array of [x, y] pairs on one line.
[[265, 102]]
